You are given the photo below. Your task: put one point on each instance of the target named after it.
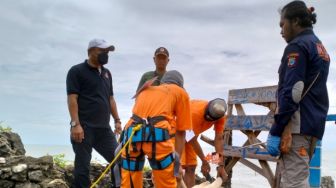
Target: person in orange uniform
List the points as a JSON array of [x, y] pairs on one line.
[[156, 108], [204, 115]]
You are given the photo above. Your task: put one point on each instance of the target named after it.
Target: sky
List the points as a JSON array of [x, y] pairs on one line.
[[217, 45]]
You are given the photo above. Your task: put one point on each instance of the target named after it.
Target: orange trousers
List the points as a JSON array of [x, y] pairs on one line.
[[162, 178]]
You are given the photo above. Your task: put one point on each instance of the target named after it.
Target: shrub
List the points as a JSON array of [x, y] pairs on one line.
[[4, 128], [59, 160]]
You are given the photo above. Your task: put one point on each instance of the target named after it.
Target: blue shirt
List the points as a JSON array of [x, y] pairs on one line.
[[304, 58]]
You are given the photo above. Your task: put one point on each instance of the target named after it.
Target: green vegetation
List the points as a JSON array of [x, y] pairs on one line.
[[4, 128], [59, 160]]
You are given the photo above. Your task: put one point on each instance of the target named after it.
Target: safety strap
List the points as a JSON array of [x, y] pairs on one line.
[[133, 165], [149, 120], [128, 160], [305, 93], [145, 134], [163, 163]]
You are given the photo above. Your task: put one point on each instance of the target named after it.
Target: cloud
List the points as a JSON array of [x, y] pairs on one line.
[[217, 45]]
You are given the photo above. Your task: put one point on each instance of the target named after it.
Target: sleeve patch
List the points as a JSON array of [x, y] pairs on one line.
[[322, 52], [293, 59]]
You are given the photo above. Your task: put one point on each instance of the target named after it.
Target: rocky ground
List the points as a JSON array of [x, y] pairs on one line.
[[20, 171]]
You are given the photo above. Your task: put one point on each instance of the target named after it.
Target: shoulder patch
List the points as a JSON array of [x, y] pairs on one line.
[[293, 59], [322, 52]]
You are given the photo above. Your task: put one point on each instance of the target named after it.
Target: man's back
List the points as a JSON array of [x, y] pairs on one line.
[[168, 100]]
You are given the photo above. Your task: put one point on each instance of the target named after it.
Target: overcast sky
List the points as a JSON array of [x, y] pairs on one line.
[[217, 45]]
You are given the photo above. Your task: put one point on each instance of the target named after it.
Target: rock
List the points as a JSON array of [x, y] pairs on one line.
[[5, 173], [14, 160], [5, 147], [20, 177], [6, 184], [16, 143], [34, 167], [35, 176], [147, 179], [27, 185], [2, 160], [11, 144], [19, 168], [327, 182], [57, 183]]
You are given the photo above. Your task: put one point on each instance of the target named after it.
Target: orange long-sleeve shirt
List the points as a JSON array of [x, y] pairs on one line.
[[199, 123]]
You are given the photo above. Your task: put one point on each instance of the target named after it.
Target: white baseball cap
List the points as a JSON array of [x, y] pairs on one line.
[[100, 43]]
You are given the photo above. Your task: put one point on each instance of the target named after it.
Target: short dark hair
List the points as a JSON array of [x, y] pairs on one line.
[[299, 10]]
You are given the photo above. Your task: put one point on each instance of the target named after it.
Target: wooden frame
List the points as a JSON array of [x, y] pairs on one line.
[[251, 126]]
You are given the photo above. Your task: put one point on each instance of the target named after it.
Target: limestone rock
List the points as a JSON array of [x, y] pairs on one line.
[[6, 184], [57, 183], [19, 168], [2, 160], [35, 176], [327, 182], [5, 173], [27, 185], [11, 144]]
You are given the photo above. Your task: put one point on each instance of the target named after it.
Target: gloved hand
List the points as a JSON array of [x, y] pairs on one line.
[[273, 145]]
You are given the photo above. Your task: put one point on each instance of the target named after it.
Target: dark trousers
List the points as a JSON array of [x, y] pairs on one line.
[[103, 141]]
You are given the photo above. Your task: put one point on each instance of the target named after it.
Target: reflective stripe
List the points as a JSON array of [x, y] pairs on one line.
[[164, 163], [139, 164]]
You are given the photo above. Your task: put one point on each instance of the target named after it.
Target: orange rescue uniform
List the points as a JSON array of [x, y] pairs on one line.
[[172, 102], [198, 107]]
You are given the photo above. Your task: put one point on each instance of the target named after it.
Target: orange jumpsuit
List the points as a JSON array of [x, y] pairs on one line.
[[189, 156], [172, 102]]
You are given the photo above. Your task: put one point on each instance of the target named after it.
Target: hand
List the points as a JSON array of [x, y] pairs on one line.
[[222, 173], [77, 133], [273, 145], [117, 127], [180, 174], [205, 168]]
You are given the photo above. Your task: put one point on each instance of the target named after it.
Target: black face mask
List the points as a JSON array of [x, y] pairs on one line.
[[102, 58]]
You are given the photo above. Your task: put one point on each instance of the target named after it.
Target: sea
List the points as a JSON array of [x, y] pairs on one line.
[[243, 177]]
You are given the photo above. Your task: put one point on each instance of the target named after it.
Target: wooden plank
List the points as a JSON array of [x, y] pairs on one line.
[[251, 153], [231, 164], [252, 95], [208, 140], [230, 108], [277, 177], [240, 110], [268, 172], [254, 122]]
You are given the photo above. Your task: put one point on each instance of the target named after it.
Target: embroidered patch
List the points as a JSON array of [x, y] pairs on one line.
[[322, 52], [293, 59]]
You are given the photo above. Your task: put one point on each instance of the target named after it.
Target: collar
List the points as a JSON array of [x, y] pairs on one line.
[[306, 32], [86, 62]]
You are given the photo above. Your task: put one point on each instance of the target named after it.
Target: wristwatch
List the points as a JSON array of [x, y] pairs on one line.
[[73, 123]]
